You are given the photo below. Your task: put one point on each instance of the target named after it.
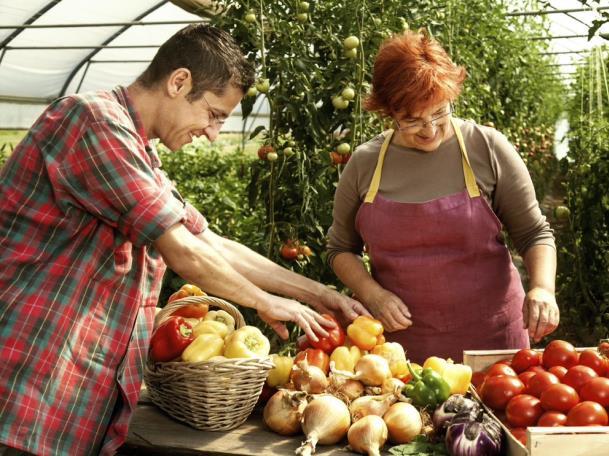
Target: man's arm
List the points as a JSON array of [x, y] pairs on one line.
[[198, 262]]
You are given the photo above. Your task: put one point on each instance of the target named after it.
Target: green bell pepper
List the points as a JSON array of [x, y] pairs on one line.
[[427, 388]]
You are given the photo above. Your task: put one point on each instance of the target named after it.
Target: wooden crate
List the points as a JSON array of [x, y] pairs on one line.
[[544, 441]]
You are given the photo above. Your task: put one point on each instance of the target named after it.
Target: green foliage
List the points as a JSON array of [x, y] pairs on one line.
[[584, 241]]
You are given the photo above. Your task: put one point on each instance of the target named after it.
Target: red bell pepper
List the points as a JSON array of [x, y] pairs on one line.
[[335, 337], [170, 339], [315, 357]]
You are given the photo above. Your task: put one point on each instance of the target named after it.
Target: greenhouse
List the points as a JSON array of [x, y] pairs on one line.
[[294, 227]]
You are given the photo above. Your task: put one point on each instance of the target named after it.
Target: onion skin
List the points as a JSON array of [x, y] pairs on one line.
[[283, 412], [371, 405], [368, 435], [403, 422], [325, 420], [372, 370]]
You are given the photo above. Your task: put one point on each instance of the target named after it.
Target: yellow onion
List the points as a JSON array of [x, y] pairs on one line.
[[368, 435], [309, 378], [283, 411], [371, 405], [372, 370], [325, 420], [403, 422]]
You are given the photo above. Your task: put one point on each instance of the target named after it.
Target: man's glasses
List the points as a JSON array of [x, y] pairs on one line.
[[418, 124], [213, 118]]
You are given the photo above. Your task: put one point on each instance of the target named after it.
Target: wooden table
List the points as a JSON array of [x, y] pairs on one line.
[[152, 432]]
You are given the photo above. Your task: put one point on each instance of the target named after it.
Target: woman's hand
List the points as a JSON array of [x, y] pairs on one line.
[[540, 313], [344, 308], [389, 310], [276, 310]]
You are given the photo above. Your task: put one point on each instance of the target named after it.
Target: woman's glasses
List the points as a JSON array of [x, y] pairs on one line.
[[413, 125]]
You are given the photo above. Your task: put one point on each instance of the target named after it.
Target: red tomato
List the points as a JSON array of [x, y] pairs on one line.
[[596, 390], [593, 360], [289, 251], [539, 382], [525, 359], [520, 433], [536, 369], [478, 379], [500, 368], [314, 357], [525, 377], [578, 376], [603, 348], [499, 389], [552, 419], [523, 410], [559, 353], [559, 371], [559, 398], [587, 413], [335, 337]]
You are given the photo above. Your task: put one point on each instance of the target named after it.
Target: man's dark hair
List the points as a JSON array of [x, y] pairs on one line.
[[212, 56]]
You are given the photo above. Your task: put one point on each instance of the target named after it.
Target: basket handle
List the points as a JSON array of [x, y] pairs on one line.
[[211, 301]]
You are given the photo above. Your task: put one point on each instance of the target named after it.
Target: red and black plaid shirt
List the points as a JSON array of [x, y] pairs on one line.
[[82, 200]]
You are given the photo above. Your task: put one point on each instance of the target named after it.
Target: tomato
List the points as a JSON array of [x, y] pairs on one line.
[[315, 357], [536, 369], [335, 337], [539, 382], [523, 410], [552, 419], [578, 376], [478, 379], [525, 377], [497, 390], [559, 353], [596, 390], [559, 371], [520, 434], [305, 250], [500, 369], [593, 360], [525, 359], [559, 398], [263, 151], [587, 413], [603, 348], [289, 251]]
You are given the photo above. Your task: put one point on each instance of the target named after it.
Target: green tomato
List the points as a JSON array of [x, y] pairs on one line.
[[339, 102], [250, 17], [351, 53], [272, 156], [303, 6], [343, 148], [562, 213], [348, 93], [302, 17], [351, 42], [262, 85], [288, 151], [252, 92]]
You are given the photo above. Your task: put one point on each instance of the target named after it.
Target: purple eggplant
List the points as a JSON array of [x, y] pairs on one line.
[[456, 403], [473, 433]]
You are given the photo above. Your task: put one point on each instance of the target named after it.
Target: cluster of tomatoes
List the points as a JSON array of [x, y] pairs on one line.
[[557, 387]]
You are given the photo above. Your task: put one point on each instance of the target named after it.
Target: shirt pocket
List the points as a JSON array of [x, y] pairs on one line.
[[117, 263]]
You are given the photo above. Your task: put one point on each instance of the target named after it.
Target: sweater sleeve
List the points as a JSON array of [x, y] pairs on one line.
[[514, 199]]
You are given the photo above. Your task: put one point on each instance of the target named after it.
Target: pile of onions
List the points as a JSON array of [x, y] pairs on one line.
[[325, 420], [309, 378], [345, 388], [368, 435], [392, 385], [283, 411], [371, 370], [371, 405], [403, 422]]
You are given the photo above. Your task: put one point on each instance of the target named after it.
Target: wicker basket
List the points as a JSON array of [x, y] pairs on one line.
[[209, 395]]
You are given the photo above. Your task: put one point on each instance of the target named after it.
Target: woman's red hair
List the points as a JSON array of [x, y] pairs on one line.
[[411, 72]]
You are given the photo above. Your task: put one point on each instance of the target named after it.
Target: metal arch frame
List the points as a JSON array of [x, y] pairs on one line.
[[111, 38]]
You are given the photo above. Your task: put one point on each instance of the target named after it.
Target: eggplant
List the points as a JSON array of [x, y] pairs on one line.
[[456, 403], [473, 433]]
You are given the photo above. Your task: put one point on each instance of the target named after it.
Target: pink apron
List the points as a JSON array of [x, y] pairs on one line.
[[446, 260]]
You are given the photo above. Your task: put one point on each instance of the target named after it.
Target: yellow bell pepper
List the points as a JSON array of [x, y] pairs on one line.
[[280, 374], [345, 358], [203, 348], [458, 376], [247, 342], [364, 332], [212, 327], [395, 356], [221, 316]]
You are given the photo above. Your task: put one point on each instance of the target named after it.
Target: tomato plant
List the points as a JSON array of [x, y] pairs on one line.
[[587, 413], [552, 419], [496, 391], [525, 359], [523, 410], [559, 353], [559, 398]]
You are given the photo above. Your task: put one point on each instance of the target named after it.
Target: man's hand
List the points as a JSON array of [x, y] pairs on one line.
[[277, 309], [540, 313], [344, 308], [389, 310]]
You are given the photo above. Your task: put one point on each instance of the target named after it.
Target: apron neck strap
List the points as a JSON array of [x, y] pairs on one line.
[[468, 173]]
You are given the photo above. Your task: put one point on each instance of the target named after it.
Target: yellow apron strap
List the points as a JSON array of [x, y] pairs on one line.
[[376, 178], [468, 173]]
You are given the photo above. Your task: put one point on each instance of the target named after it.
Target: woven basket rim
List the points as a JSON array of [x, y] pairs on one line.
[[165, 313]]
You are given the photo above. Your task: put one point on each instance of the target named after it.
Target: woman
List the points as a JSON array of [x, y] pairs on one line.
[[428, 200]]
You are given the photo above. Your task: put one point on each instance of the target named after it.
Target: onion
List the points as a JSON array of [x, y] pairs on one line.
[[443, 415], [283, 411], [368, 435], [371, 405], [403, 422], [325, 420], [346, 389], [309, 378], [372, 370], [392, 385]]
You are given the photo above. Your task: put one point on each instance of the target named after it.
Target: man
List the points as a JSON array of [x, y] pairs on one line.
[[88, 223]]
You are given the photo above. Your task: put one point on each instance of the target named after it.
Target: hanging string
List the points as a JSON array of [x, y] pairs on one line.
[[604, 73]]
